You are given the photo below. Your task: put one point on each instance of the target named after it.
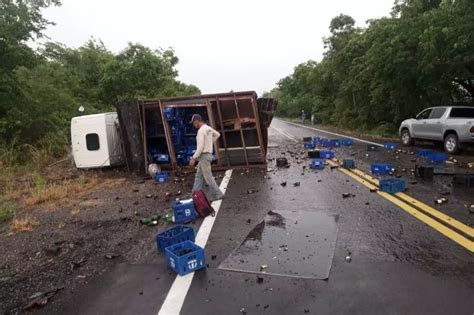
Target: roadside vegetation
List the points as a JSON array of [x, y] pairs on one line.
[[370, 79], [41, 89]]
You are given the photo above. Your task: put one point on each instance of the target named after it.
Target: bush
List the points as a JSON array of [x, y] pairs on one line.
[[7, 211]]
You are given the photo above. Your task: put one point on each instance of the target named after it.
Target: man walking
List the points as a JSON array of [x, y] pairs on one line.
[[205, 138]]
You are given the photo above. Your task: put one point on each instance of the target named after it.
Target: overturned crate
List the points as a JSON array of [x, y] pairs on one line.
[[167, 138]]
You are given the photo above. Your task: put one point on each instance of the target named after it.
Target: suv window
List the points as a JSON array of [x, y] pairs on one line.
[[437, 113], [462, 113], [424, 114]]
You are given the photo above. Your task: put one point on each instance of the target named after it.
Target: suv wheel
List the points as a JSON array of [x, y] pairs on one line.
[[451, 144], [406, 138]]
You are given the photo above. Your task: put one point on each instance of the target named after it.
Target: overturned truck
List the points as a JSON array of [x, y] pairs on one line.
[[159, 130]]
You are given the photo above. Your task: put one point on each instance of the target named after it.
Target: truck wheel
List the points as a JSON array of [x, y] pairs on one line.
[[451, 144], [406, 138]]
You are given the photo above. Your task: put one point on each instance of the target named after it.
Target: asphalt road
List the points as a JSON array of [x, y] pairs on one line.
[[398, 264]]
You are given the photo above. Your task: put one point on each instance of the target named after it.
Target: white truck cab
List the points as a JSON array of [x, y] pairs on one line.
[[96, 140]]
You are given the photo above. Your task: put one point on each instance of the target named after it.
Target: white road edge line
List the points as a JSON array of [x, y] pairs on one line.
[[179, 289], [331, 133]]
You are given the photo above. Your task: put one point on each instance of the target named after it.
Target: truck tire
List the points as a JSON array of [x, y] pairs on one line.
[[451, 144], [406, 139]]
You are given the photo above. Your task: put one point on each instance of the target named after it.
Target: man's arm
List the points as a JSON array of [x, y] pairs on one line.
[[215, 135]]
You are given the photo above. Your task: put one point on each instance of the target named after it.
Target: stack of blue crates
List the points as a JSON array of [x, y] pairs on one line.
[[175, 235], [181, 254]]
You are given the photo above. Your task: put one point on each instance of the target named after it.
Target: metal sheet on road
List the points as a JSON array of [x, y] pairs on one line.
[[289, 243]]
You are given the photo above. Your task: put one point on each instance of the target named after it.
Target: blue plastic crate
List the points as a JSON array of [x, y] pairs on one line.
[[389, 146], [335, 143], [330, 143], [185, 257], [174, 236], [177, 140], [436, 158], [317, 164], [181, 159], [161, 177], [347, 142], [309, 145], [381, 168], [326, 154], [348, 163], [168, 112], [161, 157], [392, 185], [183, 211], [423, 152], [316, 139]]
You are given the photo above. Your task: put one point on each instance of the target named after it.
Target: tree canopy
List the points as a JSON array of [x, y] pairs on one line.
[[372, 78], [40, 90]]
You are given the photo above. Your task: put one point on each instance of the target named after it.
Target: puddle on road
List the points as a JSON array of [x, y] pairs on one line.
[[294, 244]]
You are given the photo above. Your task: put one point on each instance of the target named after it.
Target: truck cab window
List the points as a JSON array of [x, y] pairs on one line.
[[92, 142], [437, 113]]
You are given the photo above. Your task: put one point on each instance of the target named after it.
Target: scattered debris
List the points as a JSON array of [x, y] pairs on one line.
[[283, 184], [348, 258], [41, 298], [441, 200], [243, 311], [259, 279], [148, 196], [111, 255], [252, 191], [78, 264], [347, 195], [373, 190], [471, 209], [296, 184], [263, 267], [213, 257]]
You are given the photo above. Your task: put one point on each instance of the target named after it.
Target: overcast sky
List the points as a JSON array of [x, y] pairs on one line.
[[222, 45]]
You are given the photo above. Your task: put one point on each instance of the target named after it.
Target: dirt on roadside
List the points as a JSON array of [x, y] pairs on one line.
[[68, 237]]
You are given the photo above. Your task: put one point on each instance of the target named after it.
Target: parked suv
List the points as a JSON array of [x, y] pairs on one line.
[[453, 125]]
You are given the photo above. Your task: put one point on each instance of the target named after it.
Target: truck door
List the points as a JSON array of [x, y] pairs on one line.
[[434, 125], [419, 126]]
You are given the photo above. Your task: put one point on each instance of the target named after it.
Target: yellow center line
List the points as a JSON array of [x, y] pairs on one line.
[[430, 210], [451, 234]]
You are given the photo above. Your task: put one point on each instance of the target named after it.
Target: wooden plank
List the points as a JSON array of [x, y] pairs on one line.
[[218, 105], [169, 139], [259, 132], [241, 132]]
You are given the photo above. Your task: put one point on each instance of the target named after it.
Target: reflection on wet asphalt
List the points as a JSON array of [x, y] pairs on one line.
[[288, 243]]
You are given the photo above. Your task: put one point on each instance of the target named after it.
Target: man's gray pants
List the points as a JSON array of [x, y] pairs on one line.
[[204, 173]]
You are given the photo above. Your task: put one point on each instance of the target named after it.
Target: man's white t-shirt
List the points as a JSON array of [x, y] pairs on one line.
[[205, 138]]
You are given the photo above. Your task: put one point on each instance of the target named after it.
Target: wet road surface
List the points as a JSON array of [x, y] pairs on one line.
[[384, 260]]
